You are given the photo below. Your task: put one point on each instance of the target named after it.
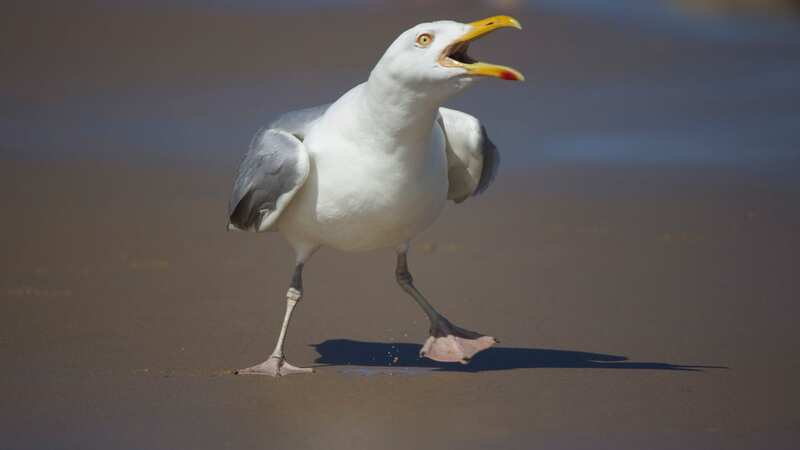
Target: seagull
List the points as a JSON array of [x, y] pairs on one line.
[[375, 168]]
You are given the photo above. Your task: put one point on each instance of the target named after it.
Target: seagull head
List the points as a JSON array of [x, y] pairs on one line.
[[433, 56]]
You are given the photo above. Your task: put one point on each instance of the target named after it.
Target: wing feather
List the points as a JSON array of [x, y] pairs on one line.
[[472, 158], [272, 171], [299, 122]]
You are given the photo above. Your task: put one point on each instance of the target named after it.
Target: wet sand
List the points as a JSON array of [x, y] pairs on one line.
[[642, 304], [636, 308]]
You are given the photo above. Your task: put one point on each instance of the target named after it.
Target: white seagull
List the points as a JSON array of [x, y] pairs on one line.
[[375, 168]]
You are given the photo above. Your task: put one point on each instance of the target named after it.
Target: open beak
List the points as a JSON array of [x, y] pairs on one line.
[[455, 55]]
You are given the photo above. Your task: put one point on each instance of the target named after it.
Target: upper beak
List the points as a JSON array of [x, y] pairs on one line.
[[477, 29]]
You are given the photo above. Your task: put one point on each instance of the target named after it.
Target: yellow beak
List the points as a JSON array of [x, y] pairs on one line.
[[477, 29]]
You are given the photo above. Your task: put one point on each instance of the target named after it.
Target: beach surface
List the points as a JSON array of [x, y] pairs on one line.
[[659, 313], [637, 255]]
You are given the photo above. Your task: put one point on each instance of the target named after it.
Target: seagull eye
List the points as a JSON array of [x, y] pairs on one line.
[[424, 40]]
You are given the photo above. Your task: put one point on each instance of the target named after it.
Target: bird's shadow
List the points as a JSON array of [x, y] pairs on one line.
[[345, 352]]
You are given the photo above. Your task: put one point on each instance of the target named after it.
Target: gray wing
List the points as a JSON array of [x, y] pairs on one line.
[[273, 170], [472, 159], [299, 122]]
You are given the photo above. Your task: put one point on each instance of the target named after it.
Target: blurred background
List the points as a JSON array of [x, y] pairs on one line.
[[637, 254], [687, 82]]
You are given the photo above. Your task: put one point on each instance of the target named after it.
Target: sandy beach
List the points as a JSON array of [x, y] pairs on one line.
[[639, 303], [664, 318]]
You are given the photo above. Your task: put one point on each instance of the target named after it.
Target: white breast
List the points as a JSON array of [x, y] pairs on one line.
[[365, 192]]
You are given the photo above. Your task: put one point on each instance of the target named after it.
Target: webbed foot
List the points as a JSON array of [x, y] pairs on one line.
[[449, 343], [274, 366]]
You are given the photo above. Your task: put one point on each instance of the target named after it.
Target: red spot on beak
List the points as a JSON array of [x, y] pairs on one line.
[[506, 75]]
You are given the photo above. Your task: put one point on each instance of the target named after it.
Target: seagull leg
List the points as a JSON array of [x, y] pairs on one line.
[[447, 342], [276, 365]]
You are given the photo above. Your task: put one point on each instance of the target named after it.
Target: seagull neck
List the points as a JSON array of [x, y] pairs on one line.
[[398, 109]]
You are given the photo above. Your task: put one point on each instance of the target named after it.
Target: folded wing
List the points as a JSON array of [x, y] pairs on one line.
[[273, 170], [472, 159]]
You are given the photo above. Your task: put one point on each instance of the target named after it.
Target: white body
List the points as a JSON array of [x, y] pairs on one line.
[[375, 169], [378, 176]]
